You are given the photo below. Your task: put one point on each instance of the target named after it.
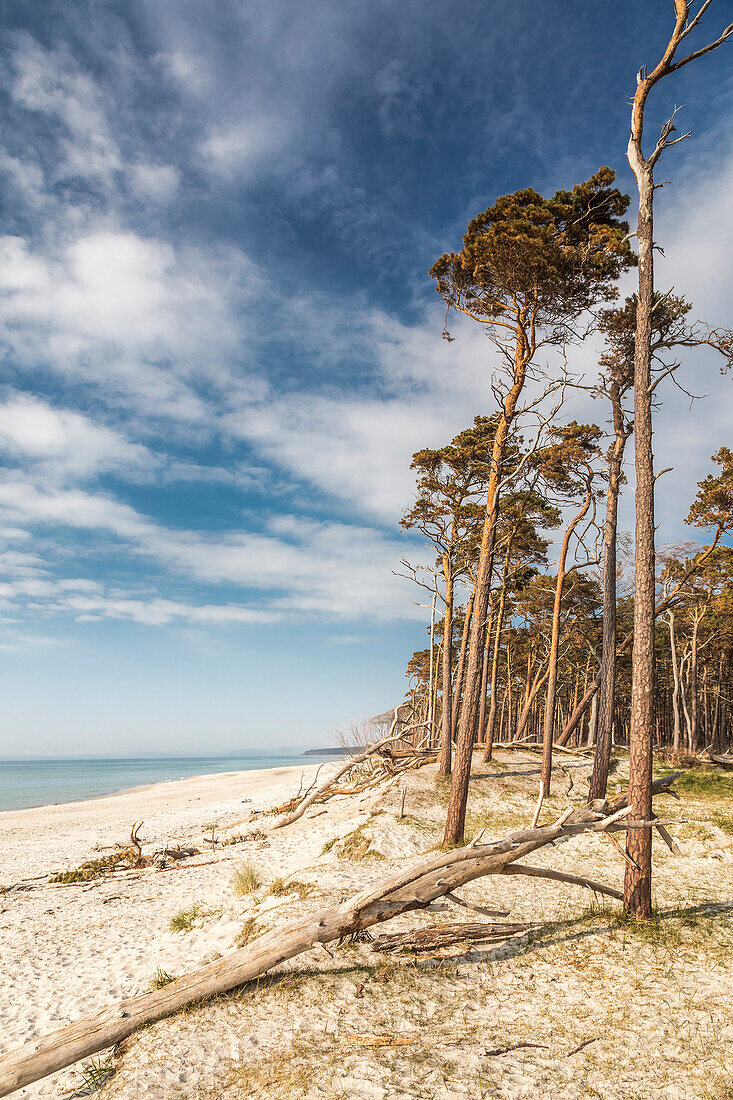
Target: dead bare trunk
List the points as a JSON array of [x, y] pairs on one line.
[[638, 881], [677, 735]]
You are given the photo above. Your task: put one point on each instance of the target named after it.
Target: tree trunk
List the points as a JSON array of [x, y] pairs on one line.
[[693, 684], [461, 664], [638, 880], [539, 680], [607, 688], [485, 673], [444, 760], [489, 734], [549, 726], [676, 736], [593, 725], [456, 815]]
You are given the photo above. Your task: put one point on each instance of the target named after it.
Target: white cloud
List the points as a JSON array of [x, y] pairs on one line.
[[52, 82], [27, 177], [65, 442], [124, 313], [333, 569], [358, 446], [158, 611], [158, 182], [236, 147]]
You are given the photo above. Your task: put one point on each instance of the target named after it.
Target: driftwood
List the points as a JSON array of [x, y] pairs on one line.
[[392, 766], [535, 746], [448, 935], [134, 841], [415, 887]]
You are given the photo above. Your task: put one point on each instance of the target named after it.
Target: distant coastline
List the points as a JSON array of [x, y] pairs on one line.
[[332, 750]]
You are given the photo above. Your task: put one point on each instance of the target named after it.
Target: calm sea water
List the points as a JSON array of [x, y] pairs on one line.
[[26, 783]]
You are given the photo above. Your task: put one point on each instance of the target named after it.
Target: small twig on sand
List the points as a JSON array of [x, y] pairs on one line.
[[514, 1046], [582, 1046]]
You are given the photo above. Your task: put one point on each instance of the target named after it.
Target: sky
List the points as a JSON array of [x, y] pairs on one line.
[[221, 345]]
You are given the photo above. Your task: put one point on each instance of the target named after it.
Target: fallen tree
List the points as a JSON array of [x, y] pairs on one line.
[[415, 887], [439, 936], [391, 764]]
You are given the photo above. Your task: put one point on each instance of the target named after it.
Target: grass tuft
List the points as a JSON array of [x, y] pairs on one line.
[[280, 886], [184, 920], [357, 846], [246, 880], [96, 1072], [162, 979], [248, 932], [120, 860]]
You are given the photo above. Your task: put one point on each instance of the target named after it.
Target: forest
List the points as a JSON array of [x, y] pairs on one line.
[[550, 627]]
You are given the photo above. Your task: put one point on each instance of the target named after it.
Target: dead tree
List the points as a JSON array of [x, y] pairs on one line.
[[638, 884]]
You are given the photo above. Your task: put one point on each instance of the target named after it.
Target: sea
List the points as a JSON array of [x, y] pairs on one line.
[[39, 782]]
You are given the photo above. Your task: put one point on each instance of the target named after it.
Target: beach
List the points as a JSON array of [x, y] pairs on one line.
[[68, 950]]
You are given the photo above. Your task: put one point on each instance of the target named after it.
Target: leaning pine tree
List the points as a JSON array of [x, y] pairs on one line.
[[528, 269]]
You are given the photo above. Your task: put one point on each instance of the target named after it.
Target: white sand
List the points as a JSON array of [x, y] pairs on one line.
[[659, 1014], [68, 950]]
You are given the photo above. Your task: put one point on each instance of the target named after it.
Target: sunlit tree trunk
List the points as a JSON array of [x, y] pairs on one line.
[[549, 725], [444, 762], [607, 686]]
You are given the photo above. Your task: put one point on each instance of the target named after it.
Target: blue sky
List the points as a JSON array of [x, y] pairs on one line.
[[221, 345]]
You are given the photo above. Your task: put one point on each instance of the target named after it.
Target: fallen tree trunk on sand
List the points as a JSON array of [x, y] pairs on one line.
[[415, 887], [314, 795], [393, 764], [438, 936]]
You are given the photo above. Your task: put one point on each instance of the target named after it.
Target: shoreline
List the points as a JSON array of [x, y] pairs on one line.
[[80, 946], [307, 762], [67, 833]]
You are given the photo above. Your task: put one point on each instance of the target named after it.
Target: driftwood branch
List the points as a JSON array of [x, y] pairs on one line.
[[439, 936], [414, 888], [318, 792], [561, 876]]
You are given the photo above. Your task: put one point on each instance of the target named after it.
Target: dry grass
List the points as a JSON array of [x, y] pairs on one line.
[[356, 846], [249, 931], [246, 879], [120, 860], [185, 919], [280, 886], [162, 979]]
